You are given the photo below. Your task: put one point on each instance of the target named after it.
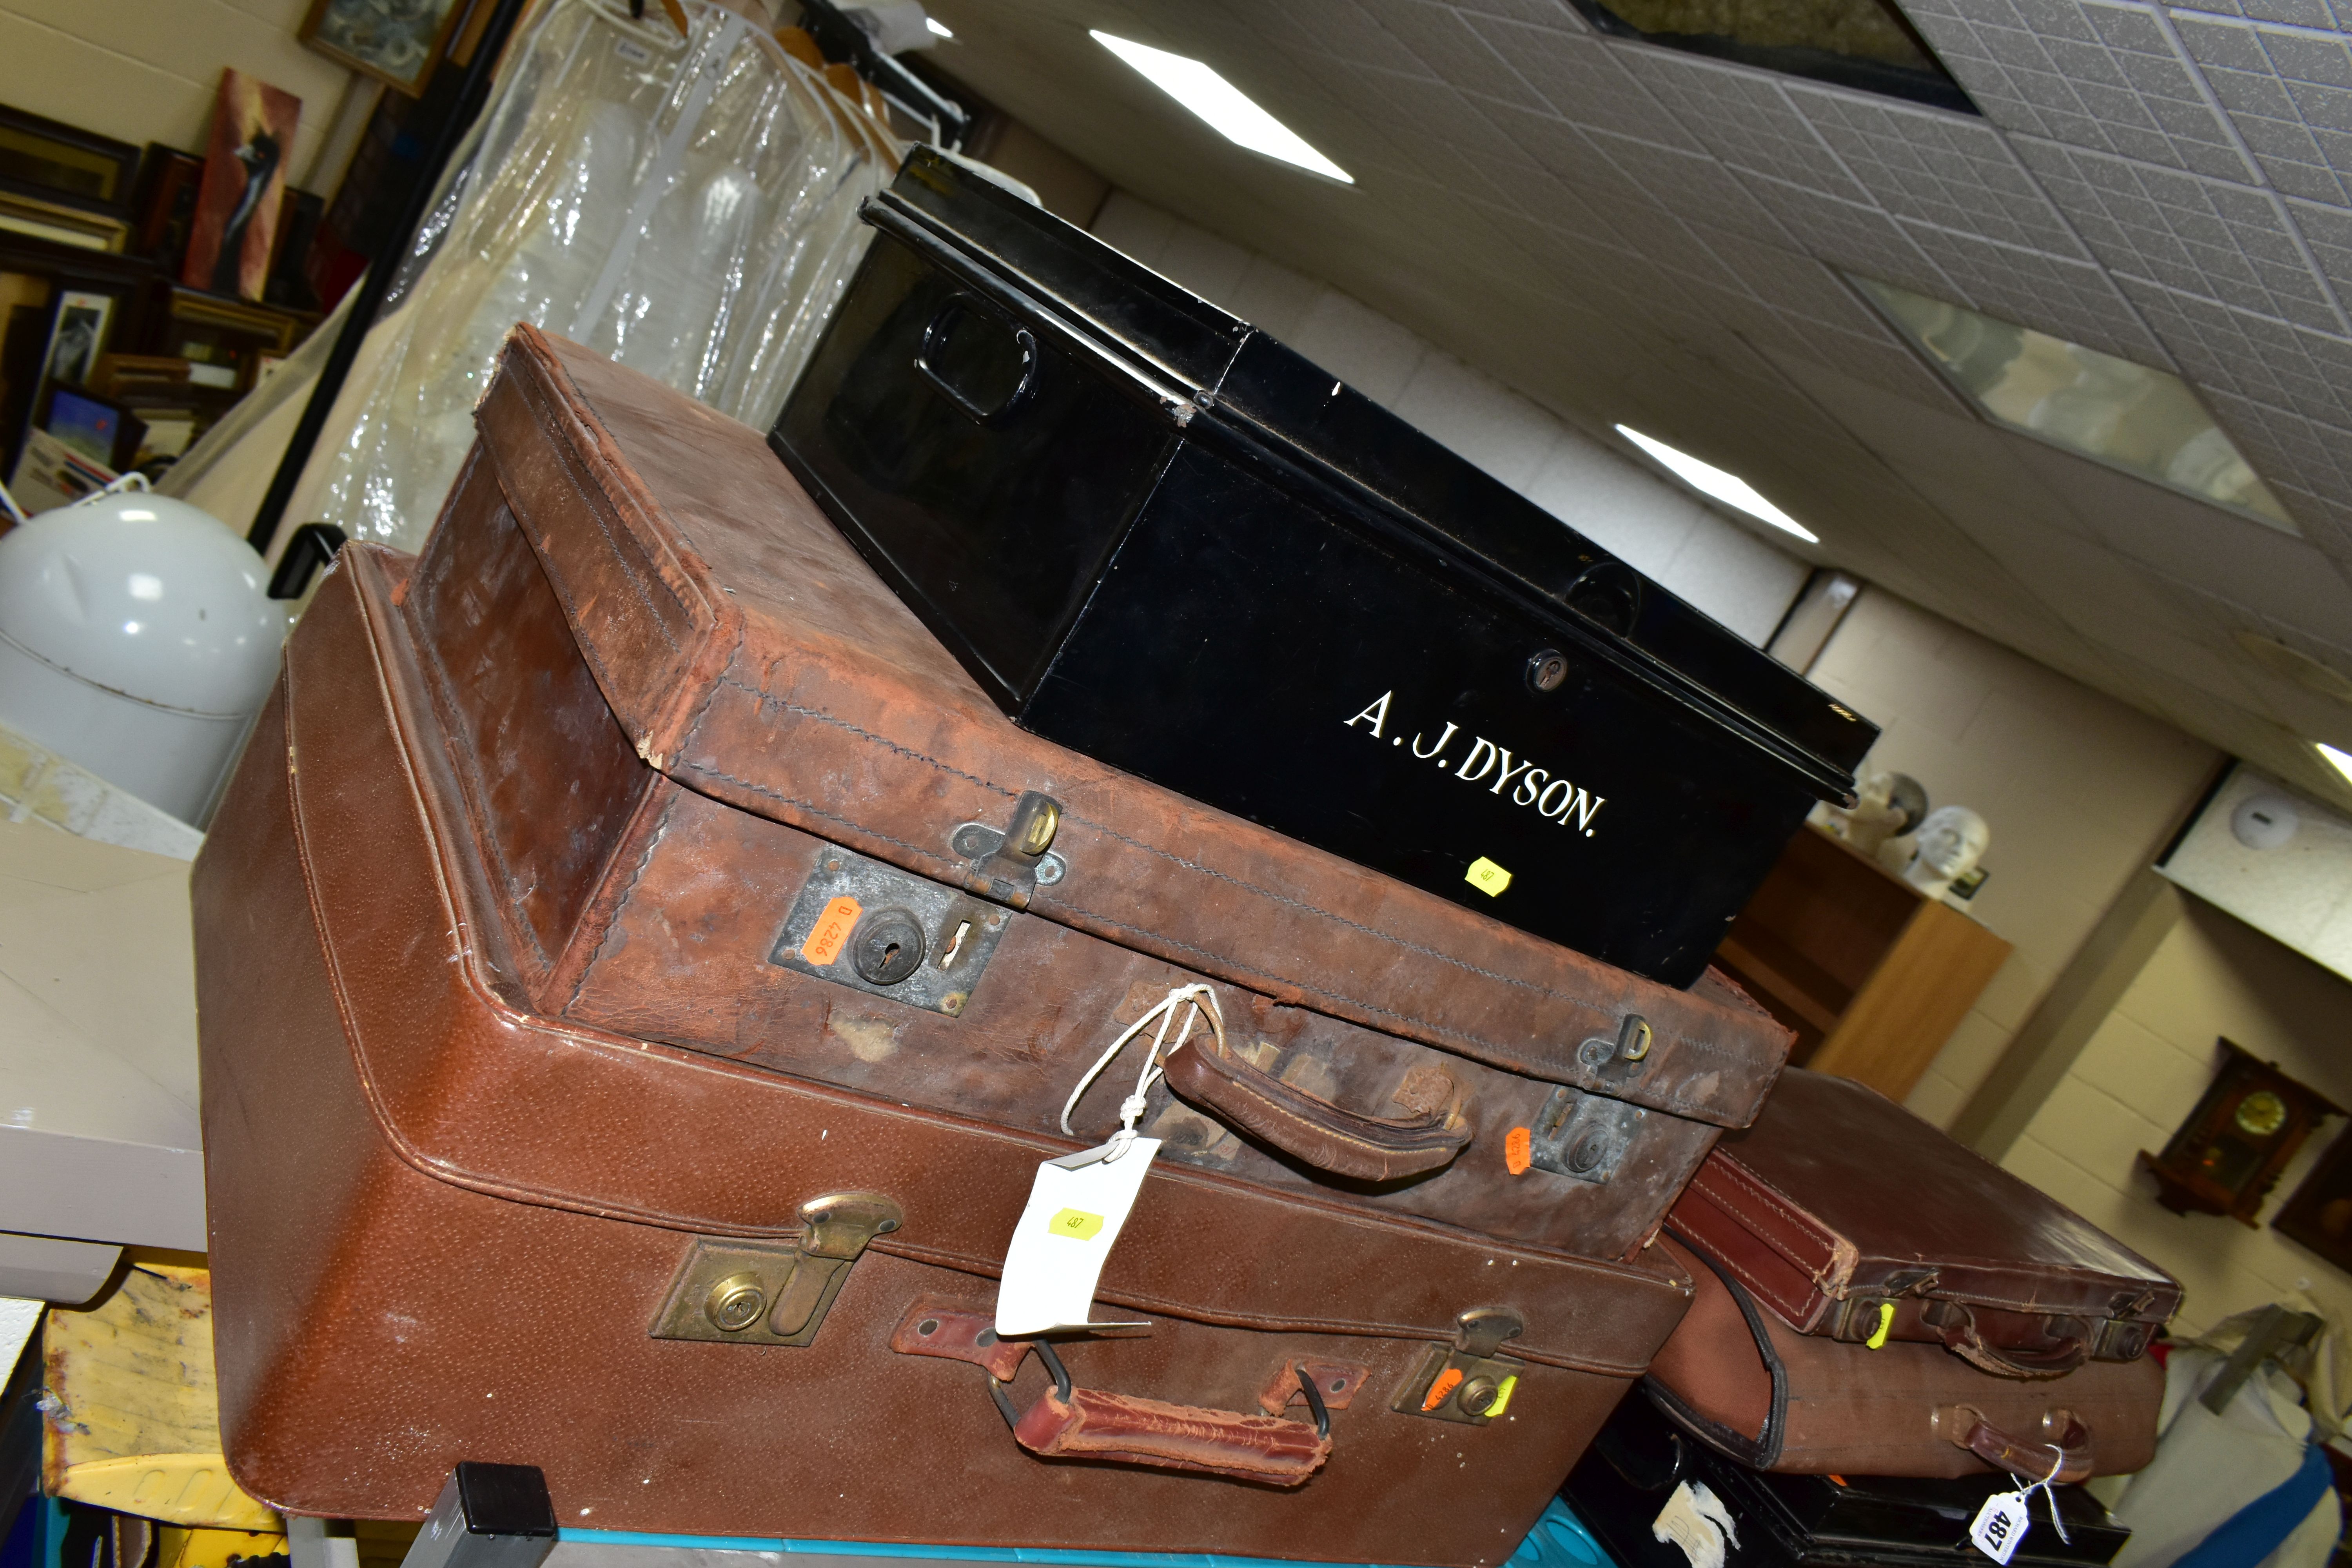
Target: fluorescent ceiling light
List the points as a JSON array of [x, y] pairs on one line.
[[2146, 422], [938, 26], [1230, 112], [2340, 760], [1728, 489]]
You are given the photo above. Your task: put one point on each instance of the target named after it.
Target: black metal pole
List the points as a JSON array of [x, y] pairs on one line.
[[472, 91]]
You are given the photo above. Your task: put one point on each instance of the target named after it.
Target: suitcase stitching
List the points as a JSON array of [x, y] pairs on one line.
[[612, 927]]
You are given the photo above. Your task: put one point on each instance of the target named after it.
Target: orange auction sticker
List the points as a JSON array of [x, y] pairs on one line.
[[831, 933]]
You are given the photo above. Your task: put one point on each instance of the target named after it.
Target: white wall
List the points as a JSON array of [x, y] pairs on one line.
[[1650, 523], [2080, 791], [2135, 1083], [147, 70]]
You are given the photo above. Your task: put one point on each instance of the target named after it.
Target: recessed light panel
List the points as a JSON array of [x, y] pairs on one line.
[[1230, 112], [1725, 487], [2145, 422], [2337, 759]]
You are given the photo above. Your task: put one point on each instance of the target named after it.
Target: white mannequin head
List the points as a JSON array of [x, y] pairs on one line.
[[1948, 845]]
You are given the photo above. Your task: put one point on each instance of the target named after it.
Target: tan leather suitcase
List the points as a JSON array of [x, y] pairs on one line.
[[448, 1225], [1852, 1219], [1738, 1376], [733, 798]]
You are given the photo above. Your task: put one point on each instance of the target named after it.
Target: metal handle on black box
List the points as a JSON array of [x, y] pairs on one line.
[[1023, 339]]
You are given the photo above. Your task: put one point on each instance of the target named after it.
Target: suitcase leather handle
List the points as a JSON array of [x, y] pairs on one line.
[[1072, 1423], [1957, 1327], [2031, 1459], [1362, 1148]]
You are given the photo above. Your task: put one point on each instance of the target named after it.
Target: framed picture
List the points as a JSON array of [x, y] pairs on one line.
[[235, 223], [398, 42], [98, 429], [2319, 1214], [51, 162], [166, 206], [77, 335]]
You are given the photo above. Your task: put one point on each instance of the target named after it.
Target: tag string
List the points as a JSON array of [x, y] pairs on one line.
[[1185, 998], [2049, 1493]]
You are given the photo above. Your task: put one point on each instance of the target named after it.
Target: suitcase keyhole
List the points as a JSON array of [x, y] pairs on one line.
[[886, 947]]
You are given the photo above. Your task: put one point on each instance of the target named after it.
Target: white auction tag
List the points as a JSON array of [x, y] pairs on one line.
[[1075, 1212], [1695, 1519], [2000, 1525]]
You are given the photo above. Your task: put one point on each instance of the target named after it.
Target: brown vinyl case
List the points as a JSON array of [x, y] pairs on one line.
[[1853, 1219], [448, 1225], [687, 721]]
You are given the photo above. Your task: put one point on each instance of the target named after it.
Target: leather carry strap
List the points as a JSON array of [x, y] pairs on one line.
[[1957, 1327], [1967, 1426], [1073, 1423], [1212, 1079]]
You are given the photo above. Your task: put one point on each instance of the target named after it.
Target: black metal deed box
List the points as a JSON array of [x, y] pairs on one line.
[[1155, 535]]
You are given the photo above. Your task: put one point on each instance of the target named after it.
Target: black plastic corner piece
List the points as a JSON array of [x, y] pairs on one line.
[[314, 545], [488, 1516]]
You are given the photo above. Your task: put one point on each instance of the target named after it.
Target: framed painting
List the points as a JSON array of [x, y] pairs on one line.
[[398, 42]]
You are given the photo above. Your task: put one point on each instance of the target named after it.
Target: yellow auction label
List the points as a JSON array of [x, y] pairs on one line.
[[1486, 877], [1076, 1224]]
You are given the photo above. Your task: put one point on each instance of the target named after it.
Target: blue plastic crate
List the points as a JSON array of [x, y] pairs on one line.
[[1557, 1540]]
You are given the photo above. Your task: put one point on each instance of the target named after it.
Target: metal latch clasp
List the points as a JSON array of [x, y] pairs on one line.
[[774, 1293], [1010, 864], [1468, 1384]]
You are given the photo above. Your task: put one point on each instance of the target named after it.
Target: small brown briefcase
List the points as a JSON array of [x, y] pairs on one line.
[[1853, 1219]]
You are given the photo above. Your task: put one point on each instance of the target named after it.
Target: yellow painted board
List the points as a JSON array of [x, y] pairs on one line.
[[132, 1420]]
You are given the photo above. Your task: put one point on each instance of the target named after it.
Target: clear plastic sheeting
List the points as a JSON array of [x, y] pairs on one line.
[[687, 205]]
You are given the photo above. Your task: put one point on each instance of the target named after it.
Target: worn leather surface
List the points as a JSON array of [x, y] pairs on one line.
[[751, 655], [1905, 1409], [1837, 1194], [443, 1223], [673, 938]]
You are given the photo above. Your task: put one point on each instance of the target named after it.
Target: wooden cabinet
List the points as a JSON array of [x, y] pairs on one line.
[[1872, 975]]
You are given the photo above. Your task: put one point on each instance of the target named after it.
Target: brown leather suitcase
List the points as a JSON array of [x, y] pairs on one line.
[[446, 1225], [1853, 1219], [691, 728], [1737, 1375]]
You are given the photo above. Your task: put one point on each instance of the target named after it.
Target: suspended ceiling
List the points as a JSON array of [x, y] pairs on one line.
[[1626, 232]]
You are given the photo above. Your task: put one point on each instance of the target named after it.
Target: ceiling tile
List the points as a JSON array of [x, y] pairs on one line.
[[1542, 13], [2074, 300], [2228, 242], [2251, 356], [1742, 116], [2105, 77], [1856, 237], [1692, 185], [1952, 169], [2301, 154], [2327, 231], [1451, 49], [1583, 81]]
